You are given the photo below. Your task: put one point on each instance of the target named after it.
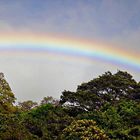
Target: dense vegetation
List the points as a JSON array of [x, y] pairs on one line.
[[105, 108]]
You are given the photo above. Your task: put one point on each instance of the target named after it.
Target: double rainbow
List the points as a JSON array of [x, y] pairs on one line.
[[27, 42]]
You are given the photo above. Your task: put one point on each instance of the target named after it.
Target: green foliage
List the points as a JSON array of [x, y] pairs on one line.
[[46, 121], [106, 88], [11, 128], [6, 96], [116, 119], [27, 105], [111, 100], [83, 130], [50, 100]]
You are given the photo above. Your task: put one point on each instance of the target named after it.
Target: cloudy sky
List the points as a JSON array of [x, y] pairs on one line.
[[33, 76]]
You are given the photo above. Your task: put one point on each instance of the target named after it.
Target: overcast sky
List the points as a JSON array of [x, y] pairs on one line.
[[116, 22]]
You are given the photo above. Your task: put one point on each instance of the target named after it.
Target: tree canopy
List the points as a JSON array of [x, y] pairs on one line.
[[7, 97], [105, 108], [83, 130], [106, 88]]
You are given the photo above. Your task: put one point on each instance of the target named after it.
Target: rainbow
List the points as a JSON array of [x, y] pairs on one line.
[[29, 42]]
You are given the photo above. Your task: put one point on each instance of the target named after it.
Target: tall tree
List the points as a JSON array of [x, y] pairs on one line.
[[106, 88]]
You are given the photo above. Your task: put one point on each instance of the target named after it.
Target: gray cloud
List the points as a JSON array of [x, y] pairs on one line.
[[100, 19], [31, 77]]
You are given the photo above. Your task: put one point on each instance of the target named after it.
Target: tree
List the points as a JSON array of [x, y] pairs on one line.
[[118, 120], [11, 128], [7, 97], [136, 95], [104, 108], [27, 105], [106, 88], [83, 130], [49, 100], [46, 121]]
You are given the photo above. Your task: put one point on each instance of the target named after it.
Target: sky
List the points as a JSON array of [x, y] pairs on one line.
[[48, 46]]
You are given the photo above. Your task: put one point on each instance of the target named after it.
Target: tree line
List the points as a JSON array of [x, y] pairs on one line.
[[105, 108]]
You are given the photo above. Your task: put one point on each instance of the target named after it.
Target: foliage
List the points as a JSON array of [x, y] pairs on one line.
[[27, 105], [107, 107], [116, 119], [108, 88], [83, 130], [49, 100], [11, 128], [7, 97], [46, 121]]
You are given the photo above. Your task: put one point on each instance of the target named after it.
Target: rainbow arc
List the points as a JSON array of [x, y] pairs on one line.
[[27, 42]]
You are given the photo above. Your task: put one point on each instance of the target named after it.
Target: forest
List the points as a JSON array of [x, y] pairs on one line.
[[105, 108]]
